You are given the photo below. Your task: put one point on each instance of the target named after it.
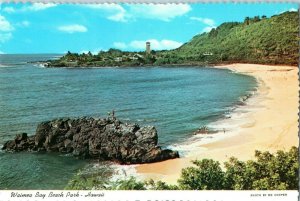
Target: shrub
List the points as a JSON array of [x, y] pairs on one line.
[[207, 175], [152, 185], [268, 171], [128, 184]]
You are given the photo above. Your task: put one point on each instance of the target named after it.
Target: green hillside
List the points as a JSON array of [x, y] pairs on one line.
[[256, 40], [260, 40]]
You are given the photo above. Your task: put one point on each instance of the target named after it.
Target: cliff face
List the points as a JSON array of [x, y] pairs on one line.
[[104, 139]]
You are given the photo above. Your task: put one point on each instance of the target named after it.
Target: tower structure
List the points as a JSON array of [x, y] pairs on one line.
[[148, 47]]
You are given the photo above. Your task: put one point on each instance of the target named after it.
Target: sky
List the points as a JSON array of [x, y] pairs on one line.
[[58, 28]]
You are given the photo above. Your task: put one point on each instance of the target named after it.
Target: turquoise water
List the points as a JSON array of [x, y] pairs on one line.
[[176, 100]]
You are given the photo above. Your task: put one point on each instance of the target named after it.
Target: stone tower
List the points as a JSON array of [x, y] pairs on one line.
[[148, 49]]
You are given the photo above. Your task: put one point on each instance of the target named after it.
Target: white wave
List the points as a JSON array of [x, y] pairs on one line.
[[66, 155], [40, 65], [4, 66], [234, 121], [190, 146]]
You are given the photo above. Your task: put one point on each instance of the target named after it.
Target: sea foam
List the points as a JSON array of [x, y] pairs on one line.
[[233, 121]]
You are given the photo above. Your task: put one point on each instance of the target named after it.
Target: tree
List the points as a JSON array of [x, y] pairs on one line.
[[213, 33], [256, 19], [257, 40], [247, 20], [152, 185], [235, 174], [207, 175], [267, 172], [128, 184], [277, 171], [153, 52]]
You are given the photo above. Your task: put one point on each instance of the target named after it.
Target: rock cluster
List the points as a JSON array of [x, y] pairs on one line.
[[104, 139]]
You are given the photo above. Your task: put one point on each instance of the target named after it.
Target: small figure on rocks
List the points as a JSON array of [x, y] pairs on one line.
[[113, 115]]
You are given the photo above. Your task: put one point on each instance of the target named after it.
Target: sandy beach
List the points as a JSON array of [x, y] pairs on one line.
[[269, 122]]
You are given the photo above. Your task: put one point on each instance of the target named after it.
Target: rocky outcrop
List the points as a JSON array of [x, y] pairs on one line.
[[104, 139]]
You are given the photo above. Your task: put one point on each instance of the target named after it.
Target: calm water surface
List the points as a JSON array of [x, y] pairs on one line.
[[175, 100]]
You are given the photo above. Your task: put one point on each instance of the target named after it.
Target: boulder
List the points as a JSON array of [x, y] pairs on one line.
[[103, 139]]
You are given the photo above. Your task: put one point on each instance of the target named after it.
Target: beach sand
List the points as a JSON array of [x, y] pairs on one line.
[[270, 124]]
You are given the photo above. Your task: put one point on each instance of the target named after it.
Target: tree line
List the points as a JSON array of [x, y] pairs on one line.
[[267, 171]]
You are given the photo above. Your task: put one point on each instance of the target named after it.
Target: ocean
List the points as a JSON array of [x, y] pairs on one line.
[[176, 100]]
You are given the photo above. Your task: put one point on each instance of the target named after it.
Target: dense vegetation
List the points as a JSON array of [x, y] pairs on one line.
[[268, 172], [256, 40], [112, 57]]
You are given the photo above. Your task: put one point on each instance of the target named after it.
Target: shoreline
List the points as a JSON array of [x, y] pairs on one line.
[[193, 65], [270, 123]]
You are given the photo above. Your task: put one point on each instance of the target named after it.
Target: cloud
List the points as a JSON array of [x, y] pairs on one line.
[[24, 23], [94, 52], [30, 7], [115, 12], [9, 10], [293, 9], [5, 25], [207, 29], [119, 17], [5, 29], [38, 6], [164, 12], [155, 44], [73, 28], [207, 21], [119, 45], [5, 37]]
